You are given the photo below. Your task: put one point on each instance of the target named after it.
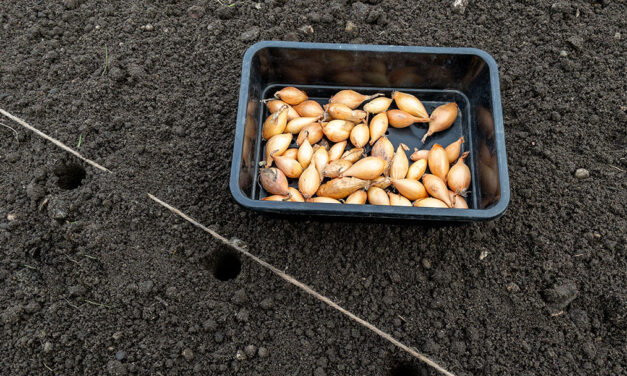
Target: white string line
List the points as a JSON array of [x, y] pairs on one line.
[[291, 280]]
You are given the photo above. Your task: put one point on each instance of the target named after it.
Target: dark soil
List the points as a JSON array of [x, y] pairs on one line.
[[97, 279]]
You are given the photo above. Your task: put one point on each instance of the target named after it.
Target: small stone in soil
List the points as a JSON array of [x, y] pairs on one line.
[[426, 263], [582, 173], [250, 350], [188, 354], [120, 355], [240, 355], [47, 347], [263, 352], [513, 287], [239, 297], [250, 34], [307, 29], [560, 296], [117, 336]]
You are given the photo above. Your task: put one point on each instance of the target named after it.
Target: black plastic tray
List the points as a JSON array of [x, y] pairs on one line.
[[466, 76]]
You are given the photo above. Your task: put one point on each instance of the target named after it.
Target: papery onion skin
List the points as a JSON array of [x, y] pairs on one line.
[[340, 187], [273, 181], [430, 202]]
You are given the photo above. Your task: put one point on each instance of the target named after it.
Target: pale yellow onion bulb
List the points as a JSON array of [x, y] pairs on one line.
[[436, 188], [337, 150], [441, 119], [367, 168], [378, 127], [401, 119], [351, 98], [419, 154], [357, 198], [458, 178], [377, 196], [277, 145], [335, 168], [320, 159], [338, 130], [294, 195], [410, 104], [378, 105], [290, 167], [275, 123], [340, 111], [305, 153], [291, 153], [340, 187], [273, 181], [312, 132], [309, 181], [323, 200], [453, 149], [438, 161], [274, 105], [412, 189], [309, 108], [297, 125], [291, 95], [276, 198], [360, 134], [430, 202], [417, 169], [400, 163], [398, 200]]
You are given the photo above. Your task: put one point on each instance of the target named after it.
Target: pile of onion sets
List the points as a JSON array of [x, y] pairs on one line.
[[331, 165]]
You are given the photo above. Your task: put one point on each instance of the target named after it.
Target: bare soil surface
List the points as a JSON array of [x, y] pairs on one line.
[[97, 279]]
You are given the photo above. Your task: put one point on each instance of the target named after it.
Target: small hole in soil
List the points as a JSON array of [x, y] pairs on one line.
[[224, 264], [70, 175], [407, 369]]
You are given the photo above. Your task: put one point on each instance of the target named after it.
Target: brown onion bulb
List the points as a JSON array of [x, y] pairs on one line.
[[410, 104], [378, 105], [275, 123], [400, 163], [438, 161], [340, 187], [419, 154], [309, 108], [417, 169], [357, 198], [273, 181], [377, 196], [458, 178], [412, 189], [368, 168], [334, 169], [340, 111], [351, 98], [378, 127], [337, 150], [290, 167], [401, 119], [436, 188], [360, 134], [453, 149], [305, 153], [353, 155], [309, 181], [291, 95], [441, 119], [398, 200], [274, 105], [312, 132], [338, 130], [297, 125], [430, 202], [277, 145]]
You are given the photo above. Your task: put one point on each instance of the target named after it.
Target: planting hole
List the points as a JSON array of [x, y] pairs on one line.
[[70, 176], [224, 264], [407, 369]]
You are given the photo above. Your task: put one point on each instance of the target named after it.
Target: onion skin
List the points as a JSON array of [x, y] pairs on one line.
[[305, 153], [351, 98], [353, 155], [417, 169], [401, 119], [357, 198], [430, 202], [320, 159], [367, 168], [297, 125], [275, 105], [338, 130], [410, 104], [438, 162], [453, 150], [412, 189], [273, 181], [291, 95], [378, 105], [377, 196], [334, 169], [277, 145], [340, 111], [458, 178], [275, 124], [381, 182], [441, 119], [309, 181], [312, 132], [419, 154], [436, 188], [341, 187], [458, 201], [398, 200], [383, 149], [309, 108], [337, 150], [294, 195], [378, 127], [323, 200], [290, 167], [360, 135], [400, 163]]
